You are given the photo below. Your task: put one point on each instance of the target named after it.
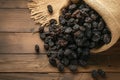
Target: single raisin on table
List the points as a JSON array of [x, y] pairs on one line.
[[94, 74], [37, 48], [101, 73]]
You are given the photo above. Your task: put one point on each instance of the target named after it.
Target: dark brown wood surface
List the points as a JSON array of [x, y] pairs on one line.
[[54, 76], [18, 60]]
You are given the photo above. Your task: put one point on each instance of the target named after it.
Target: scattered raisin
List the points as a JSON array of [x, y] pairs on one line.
[[37, 48], [50, 9], [94, 74], [101, 73]]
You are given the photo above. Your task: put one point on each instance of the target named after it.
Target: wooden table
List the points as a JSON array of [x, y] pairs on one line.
[[18, 60]]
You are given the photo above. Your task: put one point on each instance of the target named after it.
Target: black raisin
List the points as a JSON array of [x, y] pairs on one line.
[[86, 54], [70, 22], [88, 34], [37, 48], [60, 54], [51, 43], [74, 62], [53, 21], [76, 27], [41, 29], [50, 9], [96, 37], [86, 44], [92, 45], [82, 63], [95, 24], [72, 46], [72, 7], [46, 46], [65, 61], [73, 68], [78, 34], [101, 73], [73, 55], [49, 53], [68, 30], [79, 42], [52, 61], [67, 52], [63, 21], [101, 25], [94, 16], [87, 25], [94, 74], [67, 15], [79, 50], [42, 36], [88, 19], [60, 67], [106, 38], [62, 42], [75, 13], [82, 28], [63, 11]]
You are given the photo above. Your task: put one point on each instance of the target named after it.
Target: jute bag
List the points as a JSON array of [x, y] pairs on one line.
[[108, 9]]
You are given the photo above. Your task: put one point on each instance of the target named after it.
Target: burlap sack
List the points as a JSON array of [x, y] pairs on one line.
[[108, 9]]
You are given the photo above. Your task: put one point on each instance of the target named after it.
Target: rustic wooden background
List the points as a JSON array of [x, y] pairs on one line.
[[18, 60]]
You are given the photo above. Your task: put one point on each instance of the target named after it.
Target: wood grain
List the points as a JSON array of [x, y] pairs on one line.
[[16, 40], [25, 42], [19, 42], [16, 20], [39, 63], [54, 76], [13, 4]]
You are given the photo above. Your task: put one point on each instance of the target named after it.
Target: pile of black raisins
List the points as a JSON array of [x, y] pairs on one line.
[[68, 44]]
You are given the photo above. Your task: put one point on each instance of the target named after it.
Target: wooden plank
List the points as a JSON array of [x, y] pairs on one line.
[[13, 3], [25, 42], [54, 76], [19, 42], [16, 20], [39, 63]]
